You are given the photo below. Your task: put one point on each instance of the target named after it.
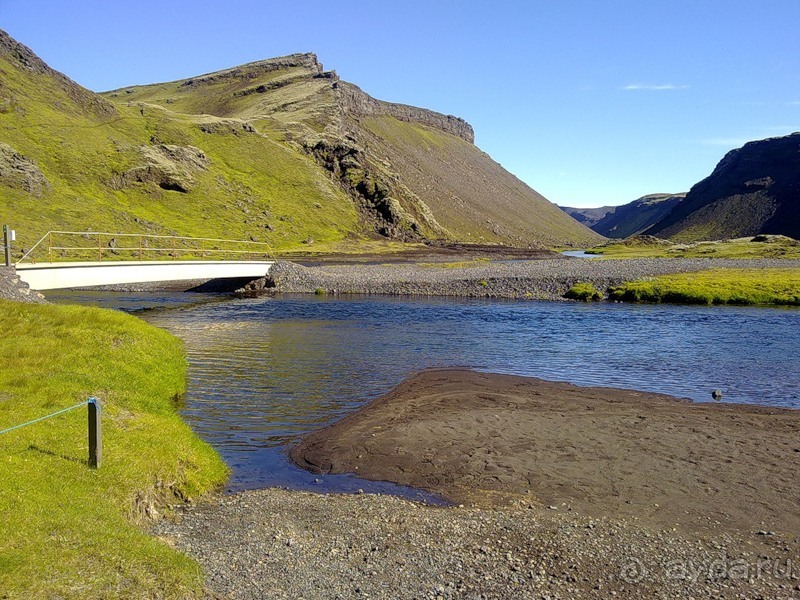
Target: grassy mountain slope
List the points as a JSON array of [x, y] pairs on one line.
[[412, 173], [468, 193], [273, 151], [629, 219], [753, 190], [84, 163]]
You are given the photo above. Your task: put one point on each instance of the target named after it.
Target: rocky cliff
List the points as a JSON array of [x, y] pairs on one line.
[[754, 189], [357, 102]]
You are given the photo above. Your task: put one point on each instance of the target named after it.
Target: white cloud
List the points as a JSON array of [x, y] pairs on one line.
[[654, 88]]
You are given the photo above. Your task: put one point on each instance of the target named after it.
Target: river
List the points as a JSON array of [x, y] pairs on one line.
[[264, 371]]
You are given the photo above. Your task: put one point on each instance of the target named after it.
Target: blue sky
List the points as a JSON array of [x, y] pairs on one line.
[[590, 103]]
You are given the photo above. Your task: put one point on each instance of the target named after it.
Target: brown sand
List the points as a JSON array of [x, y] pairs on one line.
[[476, 438]]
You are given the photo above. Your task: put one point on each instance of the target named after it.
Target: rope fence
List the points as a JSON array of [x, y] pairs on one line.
[[60, 412], [95, 429]]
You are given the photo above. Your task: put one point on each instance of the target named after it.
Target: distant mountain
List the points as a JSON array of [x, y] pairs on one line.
[[753, 190], [588, 216], [629, 219], [278, 150]]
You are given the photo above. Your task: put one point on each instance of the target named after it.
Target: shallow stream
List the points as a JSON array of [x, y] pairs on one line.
[[264, 371]]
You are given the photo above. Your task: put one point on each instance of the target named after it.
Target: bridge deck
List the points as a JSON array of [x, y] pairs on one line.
[[51, 276]]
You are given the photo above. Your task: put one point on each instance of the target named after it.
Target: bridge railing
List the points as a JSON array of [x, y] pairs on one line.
[[61, 246]]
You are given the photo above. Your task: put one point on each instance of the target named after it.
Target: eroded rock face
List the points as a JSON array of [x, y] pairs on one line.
[[19, 172], [376, 193], [357, 102], [169, 167]]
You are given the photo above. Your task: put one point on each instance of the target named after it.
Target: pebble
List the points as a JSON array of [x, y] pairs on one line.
[[292, 544], [543, 279]]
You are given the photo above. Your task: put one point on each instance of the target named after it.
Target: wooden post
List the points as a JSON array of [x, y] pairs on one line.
[[50, 245], [7, 244], [99, 248], [95, 434]]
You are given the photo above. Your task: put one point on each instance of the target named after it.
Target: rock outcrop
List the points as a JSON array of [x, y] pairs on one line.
[[20, 172], [355, 101], [169, 167], [12, 288], [306, 60]]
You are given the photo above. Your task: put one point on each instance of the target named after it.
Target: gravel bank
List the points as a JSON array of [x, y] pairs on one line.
[[536, 279], [12, 288], [281, 544]]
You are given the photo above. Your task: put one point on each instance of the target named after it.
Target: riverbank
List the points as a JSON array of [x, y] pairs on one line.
[[282, 544], [13, 288], [564, 492], [68, 530], [486, 438], [546, 279]]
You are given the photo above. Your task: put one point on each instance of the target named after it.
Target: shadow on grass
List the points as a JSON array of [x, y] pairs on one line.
[[82, 461]]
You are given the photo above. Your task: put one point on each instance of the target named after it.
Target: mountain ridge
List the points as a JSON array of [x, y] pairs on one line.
[[753, 190], [277, 150], [628, 219]]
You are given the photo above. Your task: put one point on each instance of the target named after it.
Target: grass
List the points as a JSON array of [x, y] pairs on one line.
[[716, 286], [67, 530], [771, 246], [458, 264], [253, 187], [585, 292]]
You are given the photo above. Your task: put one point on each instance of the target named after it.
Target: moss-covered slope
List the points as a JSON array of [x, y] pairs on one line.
[[273, 151], [412, 173], [83, 163]]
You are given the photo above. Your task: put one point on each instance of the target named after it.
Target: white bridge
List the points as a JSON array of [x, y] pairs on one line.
[[55, 276], [111, 258]]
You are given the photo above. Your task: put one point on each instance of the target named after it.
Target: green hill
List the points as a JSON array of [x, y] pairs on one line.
[[277, 151]]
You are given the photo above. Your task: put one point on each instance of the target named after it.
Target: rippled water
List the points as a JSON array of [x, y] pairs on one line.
[[264, 371]]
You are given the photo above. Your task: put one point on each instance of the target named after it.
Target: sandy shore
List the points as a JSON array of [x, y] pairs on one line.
[[477, 438], [564, 492]]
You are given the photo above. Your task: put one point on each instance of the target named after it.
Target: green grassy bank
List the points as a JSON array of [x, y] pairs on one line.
[[762, 246], [69, 531], [716, 286]]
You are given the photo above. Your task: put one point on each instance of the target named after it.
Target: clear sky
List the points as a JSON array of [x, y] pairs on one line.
[[593, 102]]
